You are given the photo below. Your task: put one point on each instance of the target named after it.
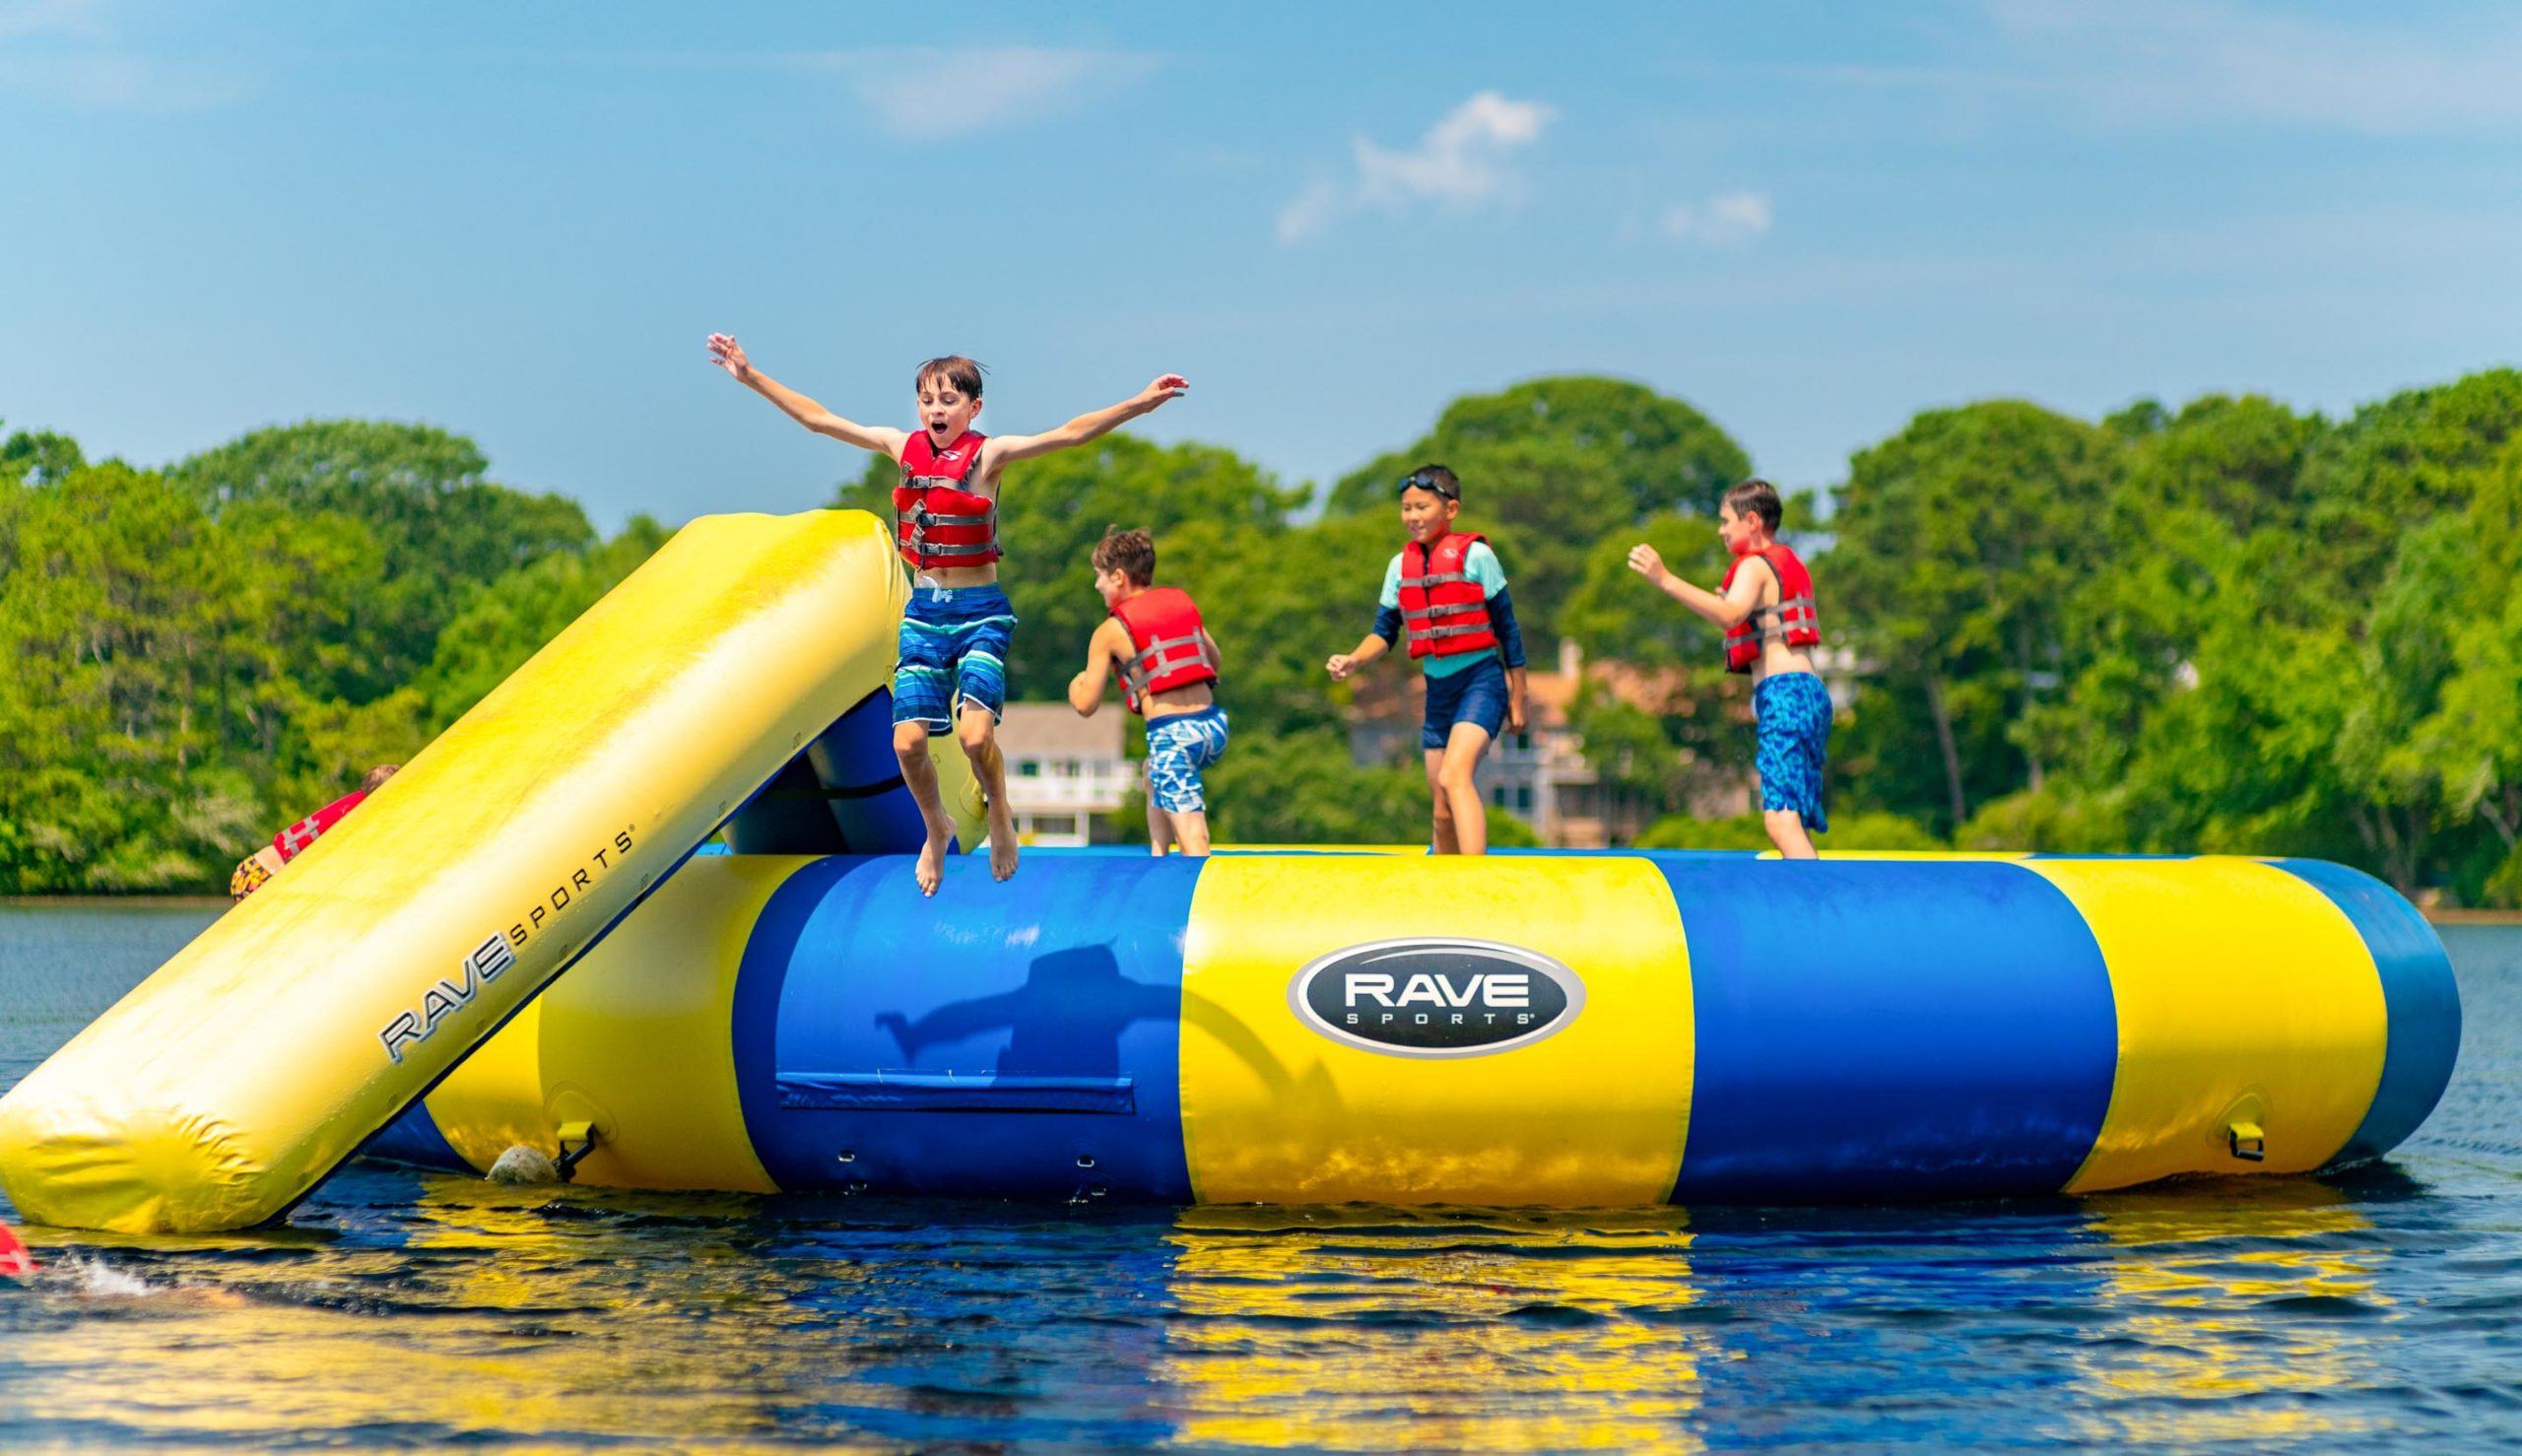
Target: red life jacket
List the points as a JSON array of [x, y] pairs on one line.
[[936, 521], [1443, 611], [292, 841], [1792, 620], [1167, 650]]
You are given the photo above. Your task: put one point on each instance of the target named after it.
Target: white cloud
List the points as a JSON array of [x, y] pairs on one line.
[[1727, 220], [923, 91], [67, 52], [1461, 163], [2158, 64], [78, 18]]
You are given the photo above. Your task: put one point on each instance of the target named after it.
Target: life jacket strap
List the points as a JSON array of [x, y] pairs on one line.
[[1158, 657]]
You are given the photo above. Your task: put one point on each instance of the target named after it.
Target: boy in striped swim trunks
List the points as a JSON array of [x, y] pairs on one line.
[[1765, 606], [1168, 668], [956, 631]]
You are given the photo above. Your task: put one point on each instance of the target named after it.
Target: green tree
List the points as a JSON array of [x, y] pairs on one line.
[[443, 531], [2410, 459], [39, 457], [1550, 453], [1659, 453], [120, 600], [1302, 789], [1958, 543]]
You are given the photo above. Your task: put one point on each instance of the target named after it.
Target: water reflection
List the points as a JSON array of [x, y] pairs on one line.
[[2231, 1311], [1432, 1329], [501, 1314]]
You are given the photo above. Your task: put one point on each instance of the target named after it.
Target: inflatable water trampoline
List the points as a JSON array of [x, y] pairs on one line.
[[1295, 1026]]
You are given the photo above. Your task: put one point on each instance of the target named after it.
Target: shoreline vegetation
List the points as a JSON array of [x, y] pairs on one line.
[[2228, 627], [169, 904]]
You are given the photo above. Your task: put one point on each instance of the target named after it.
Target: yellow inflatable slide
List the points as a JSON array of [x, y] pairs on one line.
[[223, 1089]]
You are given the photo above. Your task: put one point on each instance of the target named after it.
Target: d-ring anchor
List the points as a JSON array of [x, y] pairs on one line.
[[580, 1132], [2246, 1140]]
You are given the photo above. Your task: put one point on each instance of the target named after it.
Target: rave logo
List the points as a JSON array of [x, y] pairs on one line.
[[1436, 997]]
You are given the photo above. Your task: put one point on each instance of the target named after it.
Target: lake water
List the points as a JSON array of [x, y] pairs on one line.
[[405, 1309]]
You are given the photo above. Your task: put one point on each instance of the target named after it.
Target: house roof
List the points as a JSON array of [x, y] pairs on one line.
[[1053, 730]]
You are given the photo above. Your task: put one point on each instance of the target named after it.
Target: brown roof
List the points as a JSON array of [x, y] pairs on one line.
[[1053, 730]]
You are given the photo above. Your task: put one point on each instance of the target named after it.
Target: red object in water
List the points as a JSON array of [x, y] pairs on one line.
[[14, 1258]]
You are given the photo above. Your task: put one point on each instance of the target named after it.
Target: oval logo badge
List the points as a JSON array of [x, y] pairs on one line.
[[1436, 997]]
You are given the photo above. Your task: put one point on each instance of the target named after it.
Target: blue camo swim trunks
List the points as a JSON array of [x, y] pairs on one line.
[[1794, 710], [954, 640], [1178, 747]]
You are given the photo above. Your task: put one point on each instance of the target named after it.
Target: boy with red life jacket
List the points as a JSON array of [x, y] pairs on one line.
[[956, 631], [1765, 606], [1445, 595], [1167, 664], [257, 867]]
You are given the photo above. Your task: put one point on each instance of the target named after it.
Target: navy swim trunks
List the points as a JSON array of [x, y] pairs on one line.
[[1475, 695]]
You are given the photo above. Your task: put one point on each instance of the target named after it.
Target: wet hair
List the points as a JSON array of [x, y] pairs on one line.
[[1437, 478], [1130, 553], [376, 778], [964, 373], [1757, 497]]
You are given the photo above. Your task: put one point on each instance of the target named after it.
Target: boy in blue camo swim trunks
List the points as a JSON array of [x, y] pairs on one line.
[[956, 629], [1765, 606], [1169, 669]]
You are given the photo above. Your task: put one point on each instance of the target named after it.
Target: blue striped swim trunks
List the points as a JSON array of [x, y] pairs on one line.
[[1794, 710], [954, 643]]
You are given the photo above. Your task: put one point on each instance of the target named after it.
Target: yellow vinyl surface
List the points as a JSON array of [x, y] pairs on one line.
[[1594, 1114], [217, 1093], [635, 1040], [2243, 994]]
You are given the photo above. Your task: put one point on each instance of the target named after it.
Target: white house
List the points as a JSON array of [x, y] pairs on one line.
[[1064, 772]]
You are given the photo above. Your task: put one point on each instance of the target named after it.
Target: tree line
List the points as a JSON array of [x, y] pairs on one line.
[[2228, 627]]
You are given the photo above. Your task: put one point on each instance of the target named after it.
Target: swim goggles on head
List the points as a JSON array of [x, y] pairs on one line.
[[1450, 490]]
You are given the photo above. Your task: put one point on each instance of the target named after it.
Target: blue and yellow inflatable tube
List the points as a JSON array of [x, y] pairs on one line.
[[1526, 1029]]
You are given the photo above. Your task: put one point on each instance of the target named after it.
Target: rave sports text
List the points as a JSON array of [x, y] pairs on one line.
[[497, 953]]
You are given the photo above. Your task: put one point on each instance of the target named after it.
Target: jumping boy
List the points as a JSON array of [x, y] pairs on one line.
[[1446, 593], [1765, 606], [1167, 661], [956, 631]]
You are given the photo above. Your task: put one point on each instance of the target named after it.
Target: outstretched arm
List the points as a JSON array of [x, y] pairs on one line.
[[1086, 689], [1727, 610], [1006, 448], [728, 355], [1342, 664]]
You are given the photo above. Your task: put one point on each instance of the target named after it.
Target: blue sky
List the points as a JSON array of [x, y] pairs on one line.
[[1811, 220]]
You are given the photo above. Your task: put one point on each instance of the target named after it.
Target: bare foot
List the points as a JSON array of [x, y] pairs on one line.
[[931, 870], [1002, 840]]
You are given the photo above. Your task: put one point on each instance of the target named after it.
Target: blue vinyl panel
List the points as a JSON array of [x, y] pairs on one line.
[[2419, 996], [979, 1043], [1915, 1030]]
